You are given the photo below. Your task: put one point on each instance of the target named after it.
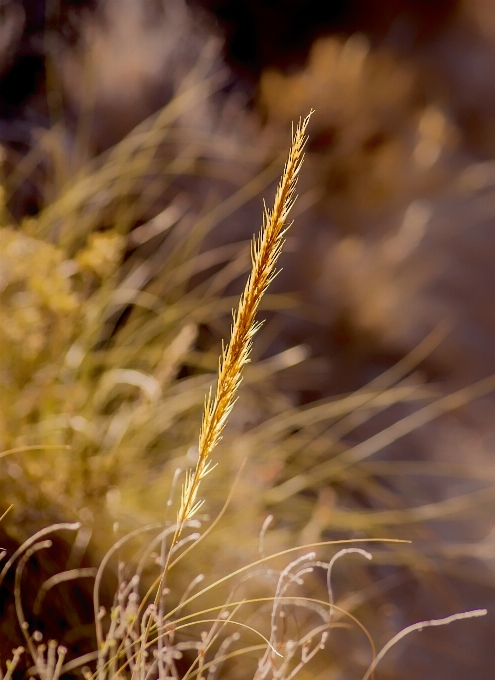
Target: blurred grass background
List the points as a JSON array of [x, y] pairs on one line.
[[137, 141]]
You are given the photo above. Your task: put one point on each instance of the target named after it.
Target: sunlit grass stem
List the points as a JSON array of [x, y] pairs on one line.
[[265, 251]]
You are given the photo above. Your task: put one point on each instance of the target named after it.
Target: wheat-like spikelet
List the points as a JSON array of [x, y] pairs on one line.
[[266, 248]]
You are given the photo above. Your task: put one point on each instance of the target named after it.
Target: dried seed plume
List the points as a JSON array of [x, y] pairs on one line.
[[265, 250]]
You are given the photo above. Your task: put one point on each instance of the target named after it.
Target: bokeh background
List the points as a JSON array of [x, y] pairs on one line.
[[137, 140]]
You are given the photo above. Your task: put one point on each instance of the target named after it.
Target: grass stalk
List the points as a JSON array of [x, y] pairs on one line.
[[265, 251]]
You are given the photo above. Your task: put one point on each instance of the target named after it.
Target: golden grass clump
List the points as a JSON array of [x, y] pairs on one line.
[[115, 239], [112, 298], [275, 636]]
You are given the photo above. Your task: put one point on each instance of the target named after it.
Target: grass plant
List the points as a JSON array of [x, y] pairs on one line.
[[149, 631], [113, 298]]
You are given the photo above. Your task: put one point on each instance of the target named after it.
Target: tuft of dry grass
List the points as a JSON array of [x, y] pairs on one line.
[[142, 641], [115, 293]]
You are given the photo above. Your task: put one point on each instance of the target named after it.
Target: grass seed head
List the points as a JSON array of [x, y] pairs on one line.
[[265, 251]]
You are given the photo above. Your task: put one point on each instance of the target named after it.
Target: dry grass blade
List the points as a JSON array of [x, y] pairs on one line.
[[266, 249]]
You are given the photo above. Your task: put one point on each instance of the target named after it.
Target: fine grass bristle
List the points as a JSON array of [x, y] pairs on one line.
[[265, 251]]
